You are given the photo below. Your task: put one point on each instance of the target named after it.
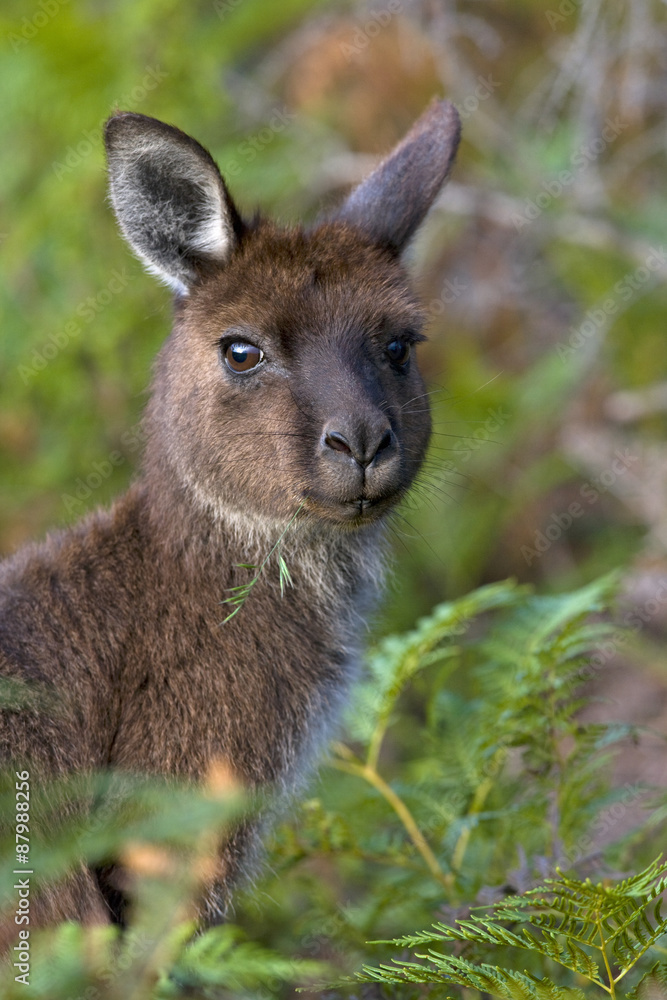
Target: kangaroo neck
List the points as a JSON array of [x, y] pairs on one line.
[[206, 543]]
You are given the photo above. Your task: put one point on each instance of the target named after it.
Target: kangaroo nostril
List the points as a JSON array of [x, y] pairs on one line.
[[359, 440], [386, 441], [337, 441]]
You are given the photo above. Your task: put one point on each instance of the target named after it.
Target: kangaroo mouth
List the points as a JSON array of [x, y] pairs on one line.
[[362, 504], [353, 513]]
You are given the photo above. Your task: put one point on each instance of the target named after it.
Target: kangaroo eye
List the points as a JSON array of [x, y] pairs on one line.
[[399, 352], [242, 357]]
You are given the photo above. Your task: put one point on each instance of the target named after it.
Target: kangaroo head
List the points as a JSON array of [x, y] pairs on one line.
[[290, 376]]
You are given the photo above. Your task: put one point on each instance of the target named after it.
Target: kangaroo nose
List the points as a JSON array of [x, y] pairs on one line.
[[362, 442]]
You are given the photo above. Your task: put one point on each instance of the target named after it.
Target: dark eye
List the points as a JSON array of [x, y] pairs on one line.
[[242, 357], [399, 352]]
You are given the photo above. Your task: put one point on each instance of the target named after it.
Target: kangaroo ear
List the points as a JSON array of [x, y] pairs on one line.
[[171, 203], [392, 202]]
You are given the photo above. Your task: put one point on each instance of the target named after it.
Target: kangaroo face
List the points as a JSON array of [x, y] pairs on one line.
[[290, 379]]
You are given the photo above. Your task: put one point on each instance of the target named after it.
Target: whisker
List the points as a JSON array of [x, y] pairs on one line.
[[461, 420], [435, 475], [402, 517], [464, 437], [488, 383], [432, 392], [438, 491], [397, 534]]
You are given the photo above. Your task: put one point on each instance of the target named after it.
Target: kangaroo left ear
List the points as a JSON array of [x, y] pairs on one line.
[[392, 202], [171, 203]]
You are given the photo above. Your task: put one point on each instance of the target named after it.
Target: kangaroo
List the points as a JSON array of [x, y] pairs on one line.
[[286, 396]]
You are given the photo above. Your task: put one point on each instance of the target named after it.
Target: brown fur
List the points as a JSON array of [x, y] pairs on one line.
[[120, 617]]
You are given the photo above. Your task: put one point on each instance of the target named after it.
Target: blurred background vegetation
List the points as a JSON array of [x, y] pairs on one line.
[[543, 268], [556, 206]]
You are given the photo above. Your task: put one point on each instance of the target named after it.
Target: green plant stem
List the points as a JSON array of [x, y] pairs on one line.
[[634, 962], [476, 807], [352, 765], [611, 990], [375, 743]]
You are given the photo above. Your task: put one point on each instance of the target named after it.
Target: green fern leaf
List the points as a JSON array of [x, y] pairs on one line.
[[502, 983], [564, 919], [652, 985], [397, 659]]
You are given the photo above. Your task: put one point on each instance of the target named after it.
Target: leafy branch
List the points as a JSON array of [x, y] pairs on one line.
[[240, 594], [599, 932], [352, 765], [394, 663], [529, 662]]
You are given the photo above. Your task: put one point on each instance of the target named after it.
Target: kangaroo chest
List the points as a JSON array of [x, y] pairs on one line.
[[259, 692]]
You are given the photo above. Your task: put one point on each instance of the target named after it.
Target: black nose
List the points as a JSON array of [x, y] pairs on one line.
[[361, 441]]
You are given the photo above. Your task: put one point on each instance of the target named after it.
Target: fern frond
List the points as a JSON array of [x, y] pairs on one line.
[[397, 658], [222, 957], [652, 985], [575, 923], [504, 983]]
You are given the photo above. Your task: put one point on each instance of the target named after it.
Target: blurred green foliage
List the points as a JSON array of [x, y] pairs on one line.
[[535, 388]]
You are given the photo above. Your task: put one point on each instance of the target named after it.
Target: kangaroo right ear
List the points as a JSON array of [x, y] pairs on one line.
[[171, 203], [390, 205]]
